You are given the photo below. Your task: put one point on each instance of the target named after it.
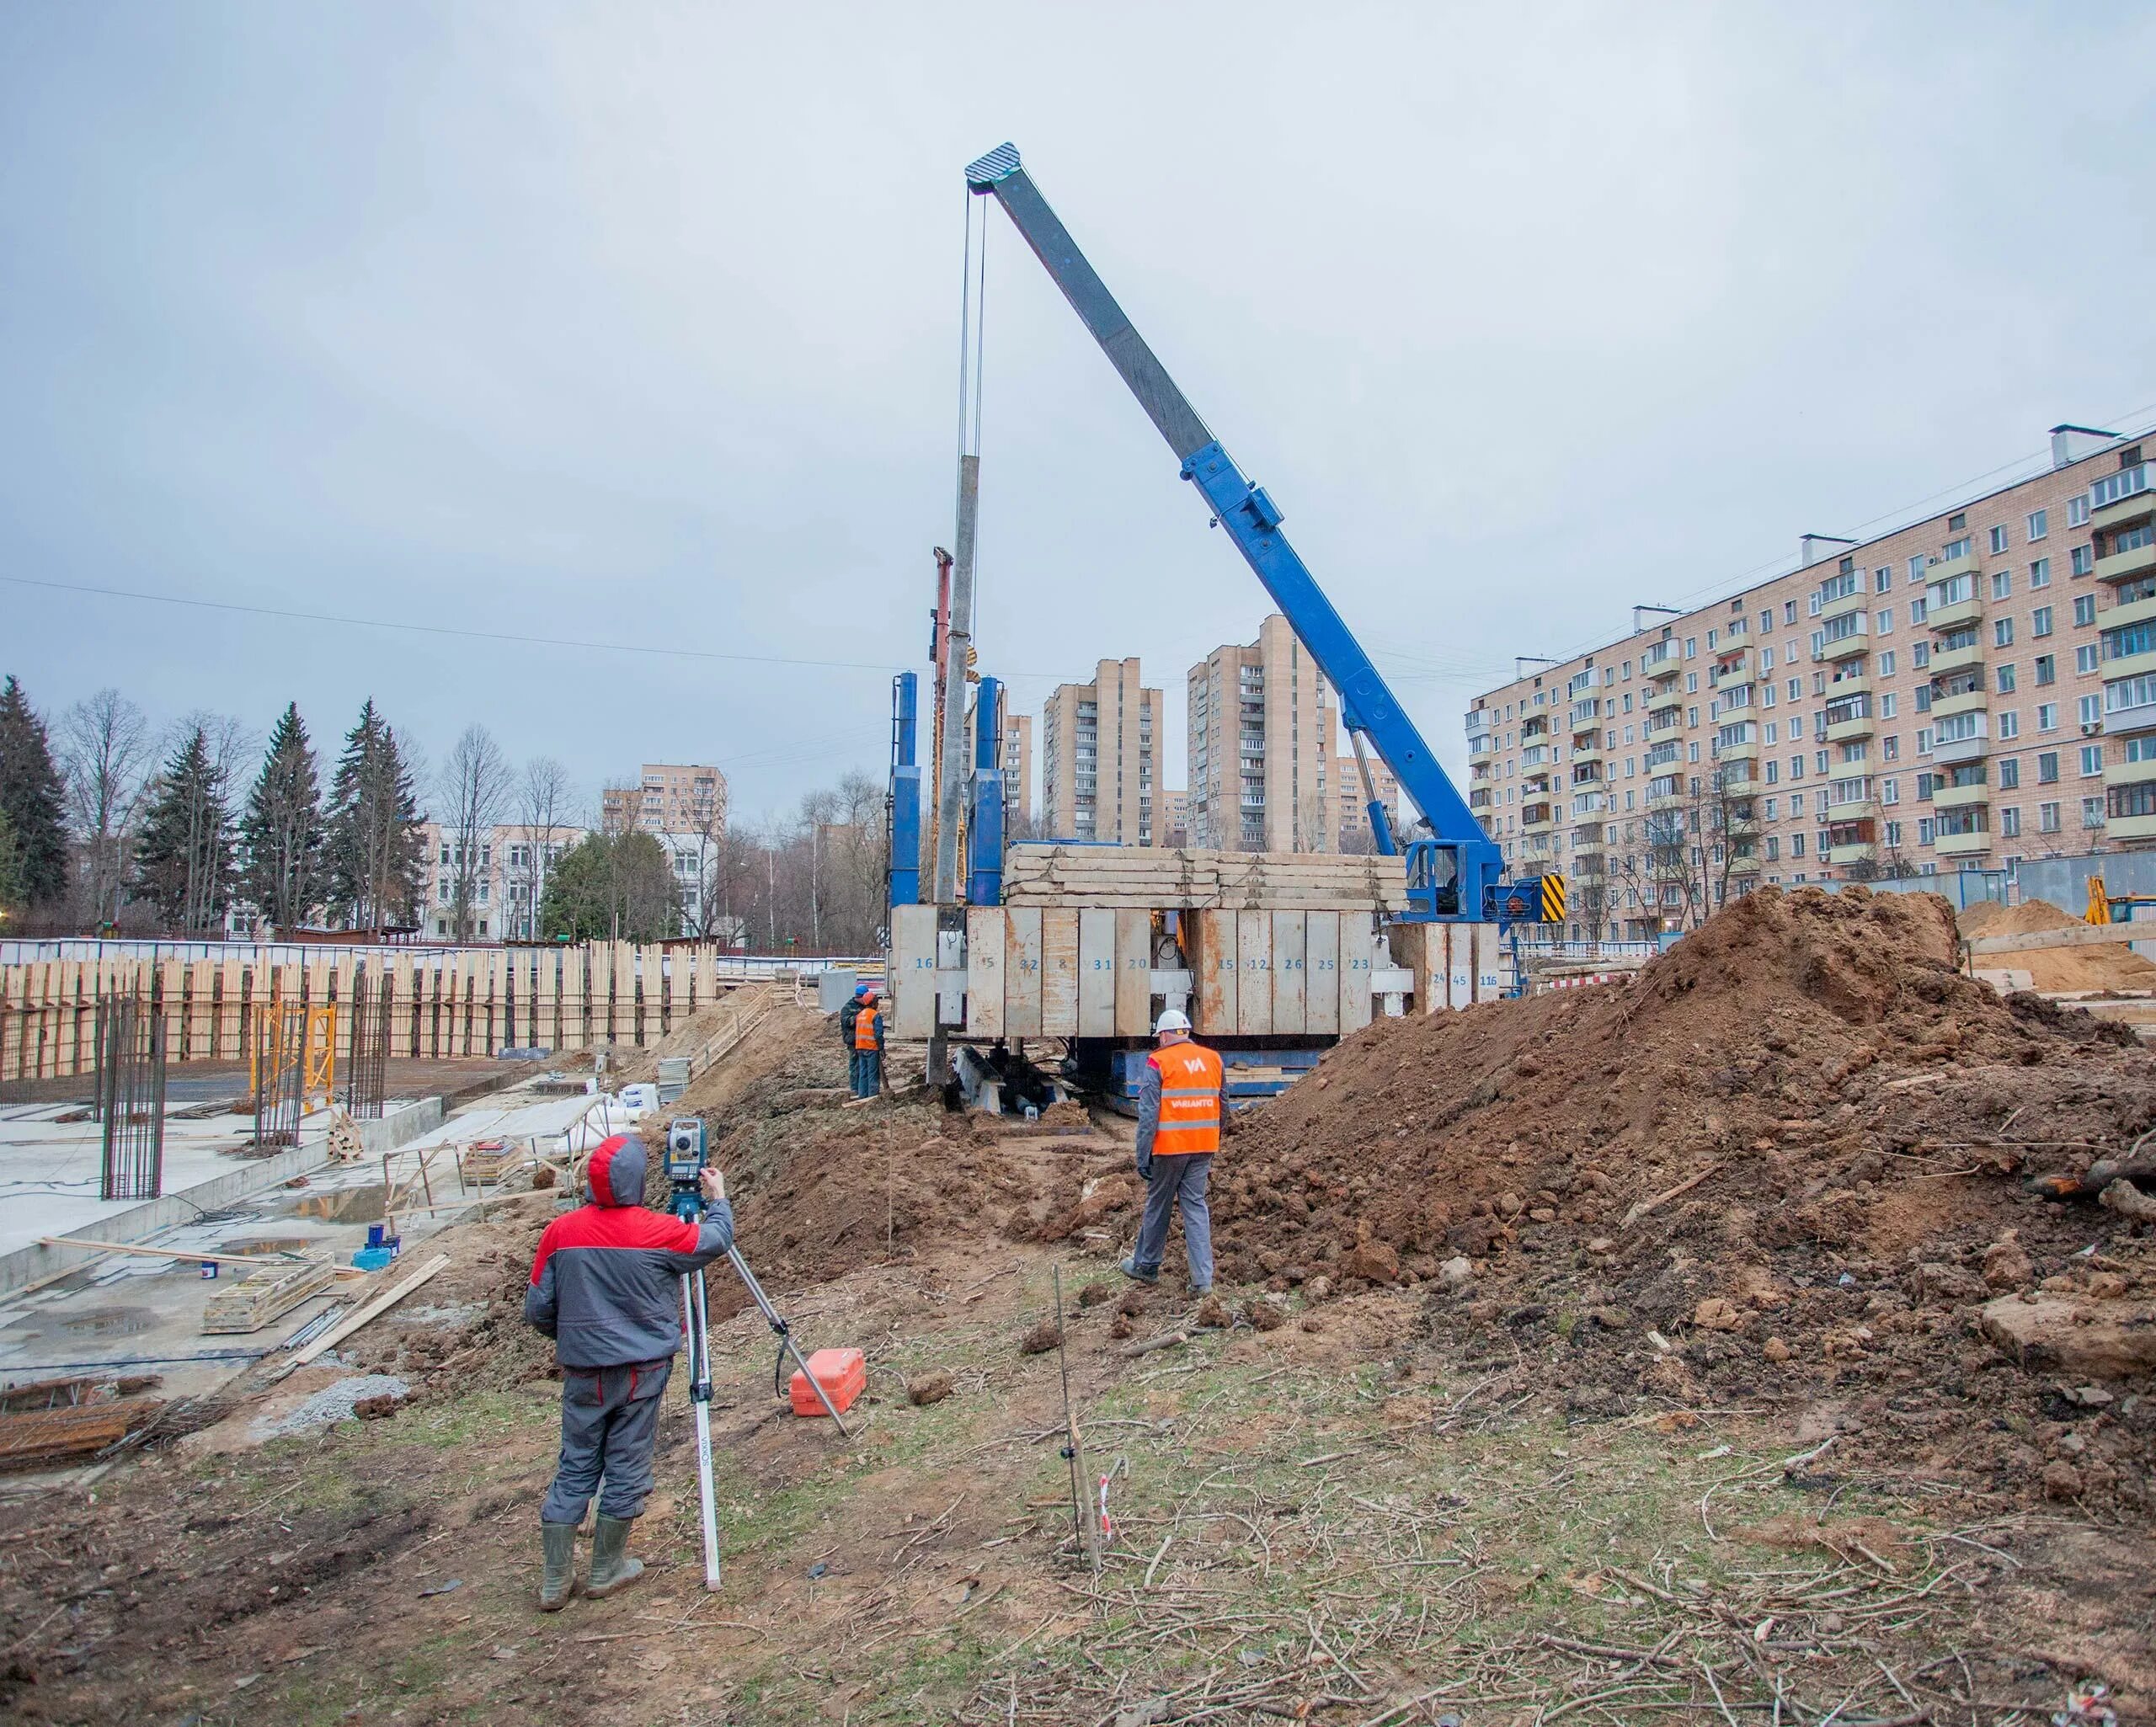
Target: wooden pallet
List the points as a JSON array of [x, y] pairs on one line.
[[265, 1295], [486, 1161]]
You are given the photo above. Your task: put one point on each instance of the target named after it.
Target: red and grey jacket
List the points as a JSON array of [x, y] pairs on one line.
[[605, 1284]]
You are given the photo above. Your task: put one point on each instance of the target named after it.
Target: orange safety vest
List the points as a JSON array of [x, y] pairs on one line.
[[864, 1027], [1190, 1100]]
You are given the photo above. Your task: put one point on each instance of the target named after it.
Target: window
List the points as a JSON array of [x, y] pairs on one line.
[[1796, 845], [1796, 688], [1712, 637], [1920, 610], [1924, 826], [1998, 540], [2047, 716], [1923, 698], [1796, 727], [2076, 511], [2009, 824], [2084, 657], [1887, 705], [1771, 737], [2081, 561], [1955, 549], [2009, 724], [1691, 683], [2046, 669], [1916, 567], [1886, 663], [2091, 710], [1819, 761], [1770, 808], [2047, 768], [2092, 811], [2002, 632], [2085, 608], [1766, 620], [1788, 613], [1885, 621], [1773, 847], [2092, 759], [2040, 621], [1882, 581], [1893, 834], [2006, 677], [1920, 655], [2002, 583], [2141, 748], [1890, 790], [1796, 772], [1890, 746], [2040, 523], [2040, 574], [1691, 647], [1774, 772]]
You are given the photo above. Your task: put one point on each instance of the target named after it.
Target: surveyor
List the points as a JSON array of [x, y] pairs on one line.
[[606, 1287], [1182, 1107], [869, 1046]]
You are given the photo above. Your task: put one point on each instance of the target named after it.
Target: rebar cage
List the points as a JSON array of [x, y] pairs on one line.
[[366, 1068], [131, 1097]]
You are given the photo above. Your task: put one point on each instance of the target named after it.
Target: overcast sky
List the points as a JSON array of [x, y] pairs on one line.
[[638, 326]]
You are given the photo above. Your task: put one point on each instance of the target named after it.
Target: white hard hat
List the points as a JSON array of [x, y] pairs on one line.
[[1172, 1021]]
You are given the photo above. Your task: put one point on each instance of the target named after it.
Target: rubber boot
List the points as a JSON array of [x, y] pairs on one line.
[[612, 1568], [559, 1583]]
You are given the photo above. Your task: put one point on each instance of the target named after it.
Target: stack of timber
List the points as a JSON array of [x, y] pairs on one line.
[[1145, 878], [265, 1295]]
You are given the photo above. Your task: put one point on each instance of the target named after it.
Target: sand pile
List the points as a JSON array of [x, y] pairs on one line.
[[2110, 966]]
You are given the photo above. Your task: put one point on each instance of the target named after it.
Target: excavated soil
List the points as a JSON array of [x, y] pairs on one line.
[[2060, 970], [1781, 1162]]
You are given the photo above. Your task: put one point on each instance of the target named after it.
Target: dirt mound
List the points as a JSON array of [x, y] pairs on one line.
[[2113, 966], [1773, 1158]]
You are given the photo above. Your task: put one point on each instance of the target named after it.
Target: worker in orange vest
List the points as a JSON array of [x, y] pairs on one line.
[[868, 1063], [1182, 1105]]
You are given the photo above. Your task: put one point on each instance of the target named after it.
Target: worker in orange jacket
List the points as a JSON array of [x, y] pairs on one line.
[[1182, 1105], [867, 1064]]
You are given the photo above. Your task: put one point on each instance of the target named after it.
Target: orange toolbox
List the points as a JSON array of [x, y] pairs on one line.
[[842, 1373]]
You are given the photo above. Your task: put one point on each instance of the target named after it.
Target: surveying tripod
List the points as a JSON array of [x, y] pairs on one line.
[[686, 1156]]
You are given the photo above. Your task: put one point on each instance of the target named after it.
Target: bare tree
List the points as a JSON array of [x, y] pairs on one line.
[[106, 755], [542, 806], [475, 789]]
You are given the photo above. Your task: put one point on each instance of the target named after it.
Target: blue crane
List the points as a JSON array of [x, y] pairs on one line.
[[1454, 870]]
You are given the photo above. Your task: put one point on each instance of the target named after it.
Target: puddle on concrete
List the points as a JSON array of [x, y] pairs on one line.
[[105, 1322], [264, 1244], [342, 1205]]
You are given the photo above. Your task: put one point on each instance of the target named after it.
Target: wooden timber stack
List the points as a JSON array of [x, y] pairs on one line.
[[1138, 878]]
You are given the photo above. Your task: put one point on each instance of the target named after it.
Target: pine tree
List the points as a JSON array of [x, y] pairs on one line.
[[29, 798], [373, 830], [183, 859], [281, 834], [11, 870]]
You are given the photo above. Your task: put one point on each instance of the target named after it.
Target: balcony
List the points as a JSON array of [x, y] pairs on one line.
[[1745, 863], [1730, 754], [2124, 565], [1536, 819], [2124, 497], [2134, 611], [1669, 697], [1956, 659], [2130, 773], [1856, 681], [1858, 641], [1947, 751], [1967, 701], [1855, 601], [2126, 828], [1963, 844], [1478, 797], [1947, 568], [1658, 658], [1856, 852], [1592, 752], [1668, 797], [1862, 725], [2126, 722], [2130, 665], [1955, 613], [1736, 668], [1960, 796]]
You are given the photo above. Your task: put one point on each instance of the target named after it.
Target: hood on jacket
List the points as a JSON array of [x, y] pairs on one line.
[[614, 1174]]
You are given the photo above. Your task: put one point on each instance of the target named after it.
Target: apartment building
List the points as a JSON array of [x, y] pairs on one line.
[[1354, 815], [1977, 687], [1099, 756], [1260, 746], [1178, 820], [509, 881], [669, 798], [1017, 771]]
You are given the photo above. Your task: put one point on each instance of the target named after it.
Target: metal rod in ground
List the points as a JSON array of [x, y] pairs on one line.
[[695, 1325], [1088, 1530], [785, 1335]]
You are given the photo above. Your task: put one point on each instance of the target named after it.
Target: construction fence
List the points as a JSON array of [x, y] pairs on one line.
[[442, 1003]]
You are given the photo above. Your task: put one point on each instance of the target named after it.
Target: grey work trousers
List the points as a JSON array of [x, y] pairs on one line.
[[865, 1071], [1173, 1181], [609, 1422]]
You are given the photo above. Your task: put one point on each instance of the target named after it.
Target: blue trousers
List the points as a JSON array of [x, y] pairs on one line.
[[609, 1422], [1173, 1182], [865, 1070]]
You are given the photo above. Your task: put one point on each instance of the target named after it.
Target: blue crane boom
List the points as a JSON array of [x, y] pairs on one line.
[[1453, 872]]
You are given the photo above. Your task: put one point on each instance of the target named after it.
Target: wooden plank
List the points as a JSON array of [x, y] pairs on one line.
[[1289, 933], [985, 971], [621, 992], [365, 1315], [1254, 973], [1060, 973], [1133, 974], [1021, 971], [1322, 961], [1095, 974], [1212, 954], [706, 981], [1357, 933], [913, 971], [403, 1014]]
